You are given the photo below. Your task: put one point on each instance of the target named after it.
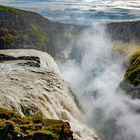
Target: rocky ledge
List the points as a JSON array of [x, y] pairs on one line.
[[13, 127]]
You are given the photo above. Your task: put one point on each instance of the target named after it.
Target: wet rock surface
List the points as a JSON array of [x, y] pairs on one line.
[[13, 127]]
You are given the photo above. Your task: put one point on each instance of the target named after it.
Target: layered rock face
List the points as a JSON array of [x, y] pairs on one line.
[[127, 31], [31, 85]]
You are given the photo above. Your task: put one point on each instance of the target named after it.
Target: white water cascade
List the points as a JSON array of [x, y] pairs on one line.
[[31, 85]]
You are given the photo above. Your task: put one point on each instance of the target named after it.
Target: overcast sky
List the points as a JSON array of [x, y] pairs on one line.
[[88, 10]]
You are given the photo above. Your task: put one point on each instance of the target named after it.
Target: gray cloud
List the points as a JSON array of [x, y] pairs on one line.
[[76, 10]]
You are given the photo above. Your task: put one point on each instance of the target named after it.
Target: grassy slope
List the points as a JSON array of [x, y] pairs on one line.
[[131, 81], [16, 28], [24, 29], [125, 47], [13, 127], [133, 71]]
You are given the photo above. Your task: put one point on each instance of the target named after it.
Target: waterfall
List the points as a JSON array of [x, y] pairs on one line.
[[31, 85]]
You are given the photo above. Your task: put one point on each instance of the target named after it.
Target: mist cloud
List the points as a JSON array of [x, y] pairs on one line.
[[94, 78]]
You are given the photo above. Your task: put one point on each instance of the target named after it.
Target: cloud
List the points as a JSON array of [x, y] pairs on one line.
[[75, 10], [2, 1]]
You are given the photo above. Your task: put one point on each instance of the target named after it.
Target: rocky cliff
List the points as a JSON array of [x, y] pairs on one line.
[[13, 127], [128, 31], [21, 29], [131, 82]]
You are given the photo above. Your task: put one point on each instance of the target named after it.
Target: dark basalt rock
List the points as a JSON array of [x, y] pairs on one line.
[[130, 89], [31, 64], [31, 58], [126, 31], [4, 57], [32, 61]]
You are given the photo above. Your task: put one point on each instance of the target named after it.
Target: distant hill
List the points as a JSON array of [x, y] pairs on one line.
[[21, 29], [126, 31]]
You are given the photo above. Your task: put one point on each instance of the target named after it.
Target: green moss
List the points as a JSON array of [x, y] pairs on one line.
[[125, 47], [13, 125], [36, 31], [4, 30], [67, 34], [7, 8], [6, 114], [9, 37], [38, 36], [133, 71], [37, 119]]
